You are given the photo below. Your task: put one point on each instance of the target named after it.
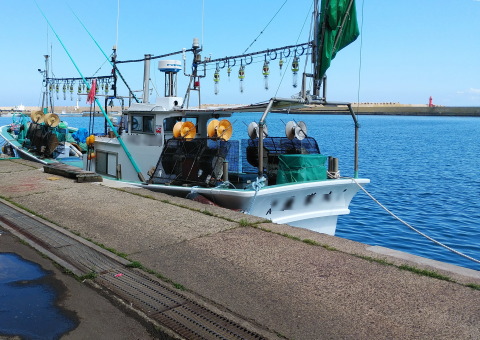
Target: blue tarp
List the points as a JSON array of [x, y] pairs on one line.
[[80, 135]]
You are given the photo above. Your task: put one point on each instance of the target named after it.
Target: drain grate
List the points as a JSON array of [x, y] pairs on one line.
[[156, 299]]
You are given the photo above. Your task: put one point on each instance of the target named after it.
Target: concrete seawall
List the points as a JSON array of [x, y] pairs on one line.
[[284, 282], [401, 110], [374, 109], [419, 111]]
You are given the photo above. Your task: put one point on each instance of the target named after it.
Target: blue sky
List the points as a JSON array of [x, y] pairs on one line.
[[410, 50]]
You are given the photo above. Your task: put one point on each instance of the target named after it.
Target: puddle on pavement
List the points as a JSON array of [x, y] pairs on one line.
[[27, 301]]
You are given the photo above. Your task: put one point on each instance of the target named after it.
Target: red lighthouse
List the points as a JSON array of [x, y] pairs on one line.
[[430, 102]]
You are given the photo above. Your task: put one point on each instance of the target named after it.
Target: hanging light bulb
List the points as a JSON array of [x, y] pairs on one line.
[[64, 89], [216, 79], [71, 91], [241, 76], [266, 72], [295, 69], [280, 62]]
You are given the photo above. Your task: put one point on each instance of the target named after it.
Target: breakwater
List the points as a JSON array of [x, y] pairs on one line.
[[362, 109], [401, 110]]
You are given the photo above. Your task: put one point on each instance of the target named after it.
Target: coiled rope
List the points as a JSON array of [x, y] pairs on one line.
[[411, 227]]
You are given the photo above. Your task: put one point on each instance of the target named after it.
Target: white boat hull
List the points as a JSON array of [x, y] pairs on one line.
[[312, 205]]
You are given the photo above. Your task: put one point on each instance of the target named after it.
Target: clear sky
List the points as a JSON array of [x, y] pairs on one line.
[[410, 49]]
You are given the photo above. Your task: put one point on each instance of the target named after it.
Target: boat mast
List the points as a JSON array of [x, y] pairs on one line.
[[194, 76], [146, 78], [316, 85], [47, 96]]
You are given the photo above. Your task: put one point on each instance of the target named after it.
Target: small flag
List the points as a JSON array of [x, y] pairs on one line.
[[92, 92]]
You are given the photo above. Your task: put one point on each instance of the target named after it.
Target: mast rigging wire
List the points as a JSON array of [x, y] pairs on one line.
[[290, 57], [261, 32], [153, 57], [106, 57]]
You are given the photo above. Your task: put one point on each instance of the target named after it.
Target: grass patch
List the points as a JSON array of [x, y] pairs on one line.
[[112, 250], [89, 276], [135, 264], [178, 286], [311, 242], [244, 223], [374, 259], [326, 246], [291, 237], [425, 272], [206, 212], [473, 285]]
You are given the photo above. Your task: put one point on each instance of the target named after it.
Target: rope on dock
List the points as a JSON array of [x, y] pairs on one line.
[[411, 227]]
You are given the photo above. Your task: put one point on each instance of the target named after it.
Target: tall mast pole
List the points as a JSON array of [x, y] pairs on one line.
[[45, 96], [315, 51]]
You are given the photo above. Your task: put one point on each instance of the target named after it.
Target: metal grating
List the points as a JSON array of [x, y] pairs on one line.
[[156, 299]]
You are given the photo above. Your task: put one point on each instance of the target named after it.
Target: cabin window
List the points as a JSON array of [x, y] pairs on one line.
[[106, 163], [169, 123], [143, 124]]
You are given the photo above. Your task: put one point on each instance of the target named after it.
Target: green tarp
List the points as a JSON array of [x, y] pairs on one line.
[[338, 27], [301, 168]]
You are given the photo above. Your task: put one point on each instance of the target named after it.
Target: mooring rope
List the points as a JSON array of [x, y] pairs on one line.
[[410, 226], [256, 185]]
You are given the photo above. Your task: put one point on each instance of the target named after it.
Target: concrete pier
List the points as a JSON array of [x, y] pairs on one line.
[[276, 281]]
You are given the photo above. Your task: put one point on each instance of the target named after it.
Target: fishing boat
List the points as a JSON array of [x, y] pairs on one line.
[[170, 147], [41, 136]]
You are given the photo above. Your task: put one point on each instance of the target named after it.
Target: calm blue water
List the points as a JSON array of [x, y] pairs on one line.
[[27, 303], [424, 169]]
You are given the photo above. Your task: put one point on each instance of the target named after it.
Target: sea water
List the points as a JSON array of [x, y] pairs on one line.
[[424, 169]]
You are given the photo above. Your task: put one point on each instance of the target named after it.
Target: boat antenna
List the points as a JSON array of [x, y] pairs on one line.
[[118, 19], [203, 21]]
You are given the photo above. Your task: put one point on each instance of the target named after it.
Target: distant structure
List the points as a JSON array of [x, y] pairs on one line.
[[430, 102]]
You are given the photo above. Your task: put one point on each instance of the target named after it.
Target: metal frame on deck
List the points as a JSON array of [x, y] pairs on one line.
[[272, 101]]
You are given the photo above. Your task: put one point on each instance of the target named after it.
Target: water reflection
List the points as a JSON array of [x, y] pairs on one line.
[[27, 301]]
